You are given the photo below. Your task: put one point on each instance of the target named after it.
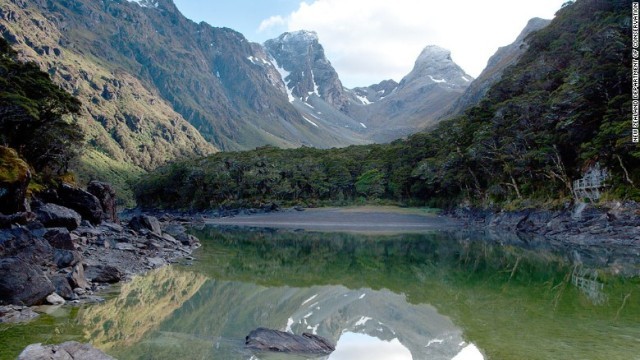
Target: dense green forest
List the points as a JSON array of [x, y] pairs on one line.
[[563, 108], [36, 118]]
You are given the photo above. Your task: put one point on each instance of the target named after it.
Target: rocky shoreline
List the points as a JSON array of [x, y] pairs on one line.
[[52, 254], [606, 236], [583, 224]]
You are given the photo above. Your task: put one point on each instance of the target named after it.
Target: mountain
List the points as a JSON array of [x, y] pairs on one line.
[[130, 52], [313, 85], [560, 111], [375, 92], [380, 112], [308, 72], [420, 98], [127, 124], [503, 58]]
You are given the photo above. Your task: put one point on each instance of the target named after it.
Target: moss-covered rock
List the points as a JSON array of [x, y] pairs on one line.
[[14, 180]]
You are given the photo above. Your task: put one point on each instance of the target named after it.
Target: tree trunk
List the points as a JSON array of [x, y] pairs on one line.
[[626, 173]]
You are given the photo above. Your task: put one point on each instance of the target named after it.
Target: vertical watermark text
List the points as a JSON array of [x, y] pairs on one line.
[[635, 72]]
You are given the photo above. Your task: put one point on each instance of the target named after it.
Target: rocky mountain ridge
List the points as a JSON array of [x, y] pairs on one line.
[[381, 112], [300, 56], [420, 98], [503, 58]]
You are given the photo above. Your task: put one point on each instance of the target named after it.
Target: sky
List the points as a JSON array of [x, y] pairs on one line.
[[368, 41]]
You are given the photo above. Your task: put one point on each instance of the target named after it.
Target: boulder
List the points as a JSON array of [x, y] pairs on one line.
[[109, 226], [85, 203], [77, 278], [22, 283], [23, 244], [156, 262], [107, 196], [65, 258], [179, 232], [70, 350], [63, 288], [59, 238], [103, 274], [52, 215], [14, 180], [55, 299], [273, 340], [20, 218], [145, 222]]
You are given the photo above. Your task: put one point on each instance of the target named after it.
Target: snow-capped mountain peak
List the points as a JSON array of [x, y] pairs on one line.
[[300, 55], [435, 66]]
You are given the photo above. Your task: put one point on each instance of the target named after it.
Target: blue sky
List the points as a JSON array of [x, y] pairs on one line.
[[368, 41], [244, 16]]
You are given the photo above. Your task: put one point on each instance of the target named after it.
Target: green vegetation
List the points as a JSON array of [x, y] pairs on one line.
[[12, 167], [93, 164], [289, 176], [34, 115], [561, 109]]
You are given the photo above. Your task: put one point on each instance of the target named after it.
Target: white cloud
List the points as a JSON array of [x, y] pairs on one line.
[[271, 22], [371, 40]]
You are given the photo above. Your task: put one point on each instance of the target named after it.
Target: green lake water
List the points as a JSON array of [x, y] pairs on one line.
[[439, 295]]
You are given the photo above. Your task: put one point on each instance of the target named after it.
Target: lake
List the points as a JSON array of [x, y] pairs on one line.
[[431, 294]]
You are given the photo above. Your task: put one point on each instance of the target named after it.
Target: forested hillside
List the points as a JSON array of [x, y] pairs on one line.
[[35, 118], [562, 108]]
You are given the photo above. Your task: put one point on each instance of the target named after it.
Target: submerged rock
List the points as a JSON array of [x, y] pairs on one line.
[[279, 341], [16, 314], [69, 350]]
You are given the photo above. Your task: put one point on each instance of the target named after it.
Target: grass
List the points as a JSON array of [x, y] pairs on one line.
[[94, 165]]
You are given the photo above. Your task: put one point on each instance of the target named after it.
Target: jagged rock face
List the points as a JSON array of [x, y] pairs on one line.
[[418, 100], [376, 92], [503, 58], [309, 72], [435, 66]]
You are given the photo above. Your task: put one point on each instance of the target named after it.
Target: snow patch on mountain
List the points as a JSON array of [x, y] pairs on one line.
[[257, 61], [146, 3], [315, 84], [363, 100], [437, 80], [310, 122], [284, 74]]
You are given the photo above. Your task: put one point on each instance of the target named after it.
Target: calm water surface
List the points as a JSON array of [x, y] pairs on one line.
[[440, 295]]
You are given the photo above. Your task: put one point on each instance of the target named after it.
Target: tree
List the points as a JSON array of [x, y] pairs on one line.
[[371, 184], [35, 115]]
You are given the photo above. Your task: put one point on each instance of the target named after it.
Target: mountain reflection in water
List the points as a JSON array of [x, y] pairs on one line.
[[406, 296]]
